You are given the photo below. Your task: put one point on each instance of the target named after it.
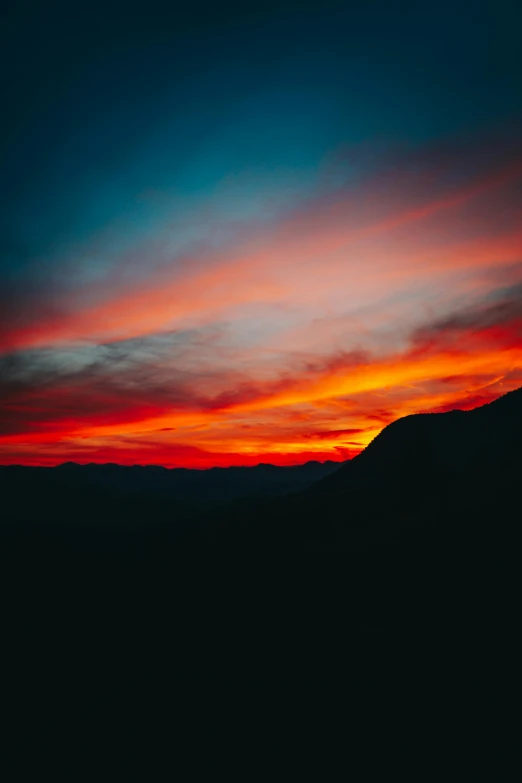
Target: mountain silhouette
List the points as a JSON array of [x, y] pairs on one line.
[[110, 495], [439, 469], [420, 529], [438, 446], [419, 469]]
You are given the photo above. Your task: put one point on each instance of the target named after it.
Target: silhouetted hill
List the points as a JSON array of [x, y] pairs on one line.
[[422, 527], [421, 470], [437, 446]]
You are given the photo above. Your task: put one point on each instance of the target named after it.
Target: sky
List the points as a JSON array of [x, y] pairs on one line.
[[240, 233]]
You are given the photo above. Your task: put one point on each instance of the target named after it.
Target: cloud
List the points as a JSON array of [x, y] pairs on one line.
[[495, 321], [397, 293], [150, 395], [323, 434], [426, 216]]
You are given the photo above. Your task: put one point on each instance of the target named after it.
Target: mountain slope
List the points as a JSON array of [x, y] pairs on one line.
[[437, 446], [422, 471], [423, 526]]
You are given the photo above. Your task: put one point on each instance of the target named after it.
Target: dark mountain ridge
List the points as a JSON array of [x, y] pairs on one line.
[[108, 494], [437, 446], [423, 469], [418, 538], [435, 456]]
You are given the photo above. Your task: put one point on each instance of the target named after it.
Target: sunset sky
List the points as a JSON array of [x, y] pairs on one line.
[[237, 234]]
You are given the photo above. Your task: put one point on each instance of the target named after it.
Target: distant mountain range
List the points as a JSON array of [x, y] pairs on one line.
[[109, 494]]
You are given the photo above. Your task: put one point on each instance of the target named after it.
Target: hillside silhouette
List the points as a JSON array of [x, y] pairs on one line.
[[422, 525], [458, 468], [438, 446]]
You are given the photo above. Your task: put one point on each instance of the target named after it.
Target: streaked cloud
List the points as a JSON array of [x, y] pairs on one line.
[[296, 336]]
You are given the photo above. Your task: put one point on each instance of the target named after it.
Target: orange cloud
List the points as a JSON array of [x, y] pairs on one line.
[[303, 340], [275, 426]]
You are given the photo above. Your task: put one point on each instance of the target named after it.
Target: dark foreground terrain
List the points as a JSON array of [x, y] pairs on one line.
[[297, 576]]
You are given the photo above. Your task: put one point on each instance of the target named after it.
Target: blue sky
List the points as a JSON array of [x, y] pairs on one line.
[[184, 106]]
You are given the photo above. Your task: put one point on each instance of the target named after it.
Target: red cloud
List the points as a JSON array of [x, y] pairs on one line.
[[362, 307]]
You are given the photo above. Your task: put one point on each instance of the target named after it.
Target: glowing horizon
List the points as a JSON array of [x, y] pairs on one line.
[[253, 261]]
